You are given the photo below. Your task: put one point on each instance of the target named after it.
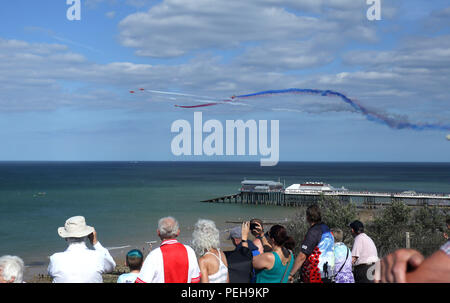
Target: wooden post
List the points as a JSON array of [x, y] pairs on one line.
[[408, 240]]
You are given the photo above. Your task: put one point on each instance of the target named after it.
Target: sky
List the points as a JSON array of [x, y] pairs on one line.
[[65, 84]]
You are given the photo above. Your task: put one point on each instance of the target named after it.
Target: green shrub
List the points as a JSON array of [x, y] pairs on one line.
[[427, 228], [390, 225], [297, 227], [337, 214]]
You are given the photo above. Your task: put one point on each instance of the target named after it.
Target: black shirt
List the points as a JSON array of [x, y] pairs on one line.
[[240, 267], [312, 238]]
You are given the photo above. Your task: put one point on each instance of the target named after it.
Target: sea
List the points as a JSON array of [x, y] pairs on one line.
[[123, 201]]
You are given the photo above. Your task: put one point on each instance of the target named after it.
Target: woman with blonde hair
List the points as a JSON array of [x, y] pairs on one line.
[[212, 262], [342, 258]]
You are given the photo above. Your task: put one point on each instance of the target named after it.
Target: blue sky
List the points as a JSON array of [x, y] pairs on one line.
[[64, 85]]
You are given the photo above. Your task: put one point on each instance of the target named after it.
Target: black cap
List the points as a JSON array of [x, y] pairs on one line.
[[357, 226]]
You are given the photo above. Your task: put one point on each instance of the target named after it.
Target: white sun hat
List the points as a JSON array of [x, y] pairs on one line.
[[75, 227]]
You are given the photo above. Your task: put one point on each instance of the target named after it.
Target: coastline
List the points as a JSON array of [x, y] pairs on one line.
[[124, 201]]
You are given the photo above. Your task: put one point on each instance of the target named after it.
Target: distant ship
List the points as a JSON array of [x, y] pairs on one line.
[[312, 187]]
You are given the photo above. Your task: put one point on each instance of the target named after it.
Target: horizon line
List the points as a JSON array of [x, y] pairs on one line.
[[212, 161]]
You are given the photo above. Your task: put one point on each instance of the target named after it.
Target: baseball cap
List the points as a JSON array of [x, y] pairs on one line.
[[135, 253], [235, 232]]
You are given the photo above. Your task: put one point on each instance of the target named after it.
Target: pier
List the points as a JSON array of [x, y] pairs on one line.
[[255, 192], [273, 193]]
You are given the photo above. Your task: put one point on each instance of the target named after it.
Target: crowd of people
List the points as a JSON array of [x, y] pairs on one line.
[[269, 258]]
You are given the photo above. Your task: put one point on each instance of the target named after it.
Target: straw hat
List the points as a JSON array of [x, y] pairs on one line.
[[75, 227]]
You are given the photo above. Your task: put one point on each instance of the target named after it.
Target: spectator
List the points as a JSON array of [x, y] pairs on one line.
[[342, 259], [274, 266], [316, 257], [364, 253], [171, 262], [409, 266], [212, 262], [447, 222], [78, 263], [134, 260], [11, 269], [257, 230], [240, 267], [237, 239]]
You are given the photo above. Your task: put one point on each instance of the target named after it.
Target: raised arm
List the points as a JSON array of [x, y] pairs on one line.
[[245, 229], [108, 262], [261, 240]]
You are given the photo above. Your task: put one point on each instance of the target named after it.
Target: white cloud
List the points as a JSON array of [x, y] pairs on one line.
[[175, 28], [291, 55], [271, 47], [416, 52]]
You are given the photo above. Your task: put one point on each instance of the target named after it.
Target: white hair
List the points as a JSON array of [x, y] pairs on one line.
[[168, 227], [12, 267], [205, 236]]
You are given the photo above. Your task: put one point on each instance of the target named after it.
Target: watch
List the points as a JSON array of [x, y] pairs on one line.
[[243, 240]]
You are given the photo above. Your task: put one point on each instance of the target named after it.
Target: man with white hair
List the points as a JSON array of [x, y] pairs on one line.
[[172, 262], [78, 263], [11, 269]]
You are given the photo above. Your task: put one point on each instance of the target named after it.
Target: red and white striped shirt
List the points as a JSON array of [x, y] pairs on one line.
[[172, 262]]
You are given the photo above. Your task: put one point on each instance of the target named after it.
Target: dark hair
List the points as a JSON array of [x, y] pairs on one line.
[[357, 226], [253, 223], [313, 214], [279, 235], [447, 221], [256, 221], [135, 258]]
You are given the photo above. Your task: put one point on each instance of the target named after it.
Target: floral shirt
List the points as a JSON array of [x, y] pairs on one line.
[[318, 246], [340, 254], [446, 248]]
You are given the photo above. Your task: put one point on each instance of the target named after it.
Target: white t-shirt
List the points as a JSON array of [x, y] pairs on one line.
[[364, 249], [127, 278], [79, 264]]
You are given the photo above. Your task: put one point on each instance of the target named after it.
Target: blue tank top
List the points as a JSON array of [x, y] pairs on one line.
[[275, 274]]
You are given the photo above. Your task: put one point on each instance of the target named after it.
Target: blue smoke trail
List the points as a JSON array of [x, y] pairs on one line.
[[370, 115]]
